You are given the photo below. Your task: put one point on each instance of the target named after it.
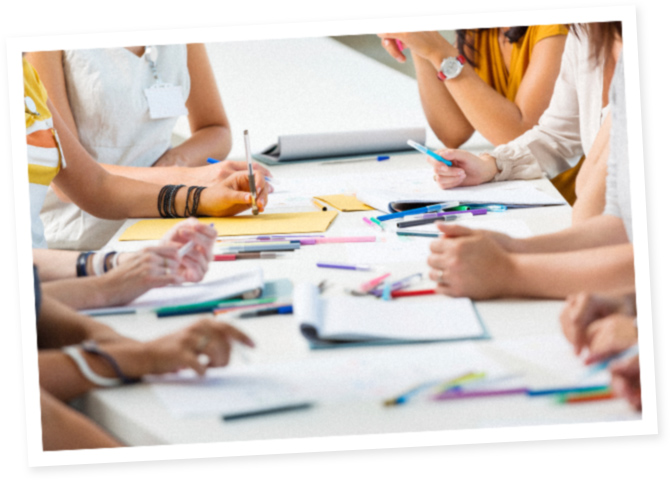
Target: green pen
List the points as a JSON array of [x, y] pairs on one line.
[[204, 307], [377, 222]]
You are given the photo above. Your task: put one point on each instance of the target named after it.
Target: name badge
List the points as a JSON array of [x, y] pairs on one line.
[[165, 101]]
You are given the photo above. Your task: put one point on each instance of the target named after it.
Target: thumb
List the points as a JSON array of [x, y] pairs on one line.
[[236, 197], [454, 230]]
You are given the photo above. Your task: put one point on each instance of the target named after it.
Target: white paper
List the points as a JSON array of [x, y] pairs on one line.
[[363, 375], [226, 287]]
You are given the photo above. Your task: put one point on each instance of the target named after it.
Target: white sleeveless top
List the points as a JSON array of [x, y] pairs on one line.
[[105, 88]]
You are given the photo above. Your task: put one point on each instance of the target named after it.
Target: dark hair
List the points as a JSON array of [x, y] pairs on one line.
[[514, 34], [601, 36]]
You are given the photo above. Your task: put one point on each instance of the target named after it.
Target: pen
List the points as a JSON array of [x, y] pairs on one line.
[[628, 353], [386, 291], [267, 179], [345, 239], [228, 257], [319, 205], [428, 151], [553, 391], [368, 222], [369, 285], [586, 397], [203, 307], [458, 381], [425, 221], [418, 234], [455, 395], [266, 411], [412, 293], [252, 180], [377, 222], [280, 310], [404, 397], [477, 211], [344, 266], [379, 158], [259, 248], [400, 284], [428, 209], [183, 251]]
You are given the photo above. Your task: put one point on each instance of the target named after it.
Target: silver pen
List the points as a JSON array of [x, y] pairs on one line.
[[252, 180]]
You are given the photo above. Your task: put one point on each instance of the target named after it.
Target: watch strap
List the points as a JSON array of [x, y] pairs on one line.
[[442, 76]]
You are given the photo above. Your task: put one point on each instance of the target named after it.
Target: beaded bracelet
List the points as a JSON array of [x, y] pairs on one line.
[[82, 259], [168, 195]]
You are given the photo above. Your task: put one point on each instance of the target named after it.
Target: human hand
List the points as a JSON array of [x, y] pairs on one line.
[[231, 196], [582, 309], [626, 380], [194, 264], [181, 349], [429, 45], [469, 263], [468, 169], [609, 336], [211, 174]]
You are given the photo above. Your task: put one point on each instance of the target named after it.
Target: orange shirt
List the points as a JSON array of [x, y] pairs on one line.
[[491, 65]]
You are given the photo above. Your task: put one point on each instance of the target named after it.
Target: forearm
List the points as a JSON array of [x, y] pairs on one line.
[[558, 275], [55, 264], [598, 231], [78, 293], [61, 377], [209, 142], [443, 114]]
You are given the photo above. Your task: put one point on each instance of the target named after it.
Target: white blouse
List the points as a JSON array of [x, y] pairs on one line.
[[567, 128], [105, 88]]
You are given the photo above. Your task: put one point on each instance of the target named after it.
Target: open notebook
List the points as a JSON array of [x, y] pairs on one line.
[[517, 194], [349, 321], [338, 145]]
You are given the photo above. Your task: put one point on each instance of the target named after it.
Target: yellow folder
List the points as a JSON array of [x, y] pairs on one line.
[[264, 224], [344, 203]]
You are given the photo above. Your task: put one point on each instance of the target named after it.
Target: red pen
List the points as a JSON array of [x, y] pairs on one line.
[[411, 293]]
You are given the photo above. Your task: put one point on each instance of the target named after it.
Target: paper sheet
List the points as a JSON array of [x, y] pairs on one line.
[[263, 224], [344, 203], [220, 288], [366, 375]]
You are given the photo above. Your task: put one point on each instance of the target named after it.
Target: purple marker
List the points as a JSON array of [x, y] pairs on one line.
[[399, 285], [344, 266], [455, 395], [475, 211]]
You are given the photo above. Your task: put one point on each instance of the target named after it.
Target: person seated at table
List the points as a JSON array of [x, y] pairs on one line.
[[51, 145], [566, 130], [594, 255], [606, 325], [78, 354], [108, 278], [100, 96]]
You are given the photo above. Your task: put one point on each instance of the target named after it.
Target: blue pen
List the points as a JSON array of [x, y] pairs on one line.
[[415, 211], [429, 152]]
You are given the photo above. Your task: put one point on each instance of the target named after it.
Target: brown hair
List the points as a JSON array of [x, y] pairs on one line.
[[514, 34], [601, 36]]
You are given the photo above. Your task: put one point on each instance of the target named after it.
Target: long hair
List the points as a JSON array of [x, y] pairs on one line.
[[514, 34], [601, 36]]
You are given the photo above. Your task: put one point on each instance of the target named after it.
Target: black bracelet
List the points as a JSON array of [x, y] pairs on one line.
[[196, 201], [104, 262], [173, 197], [187, 213], [161, 199], [90, 346], [82, 259]]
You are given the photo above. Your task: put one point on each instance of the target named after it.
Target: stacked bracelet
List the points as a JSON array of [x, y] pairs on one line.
[[107, 265], [168, 195], [82, 260]]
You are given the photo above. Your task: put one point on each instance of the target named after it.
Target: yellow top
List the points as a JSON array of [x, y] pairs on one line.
[[44, 154], [491, 65]]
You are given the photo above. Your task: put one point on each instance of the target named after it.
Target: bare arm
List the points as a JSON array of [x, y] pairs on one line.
[[210, 130], [499, 120]]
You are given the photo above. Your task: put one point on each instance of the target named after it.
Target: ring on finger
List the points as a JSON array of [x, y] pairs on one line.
[[202, 343]]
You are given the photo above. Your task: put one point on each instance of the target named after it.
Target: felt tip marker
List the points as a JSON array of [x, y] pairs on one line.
[[183, 251], [428, 151], [343, 266], [266, 411], [415, 211]]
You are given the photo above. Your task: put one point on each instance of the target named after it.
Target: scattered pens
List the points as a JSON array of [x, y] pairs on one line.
[[343, 266], [386, 291], [427, 209], [229, 257], [399, 285], [369, 285], [345, 240], [586, 397], [263, 312], [425, 221]]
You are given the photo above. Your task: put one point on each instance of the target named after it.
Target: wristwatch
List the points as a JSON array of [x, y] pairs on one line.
[[451, 67]]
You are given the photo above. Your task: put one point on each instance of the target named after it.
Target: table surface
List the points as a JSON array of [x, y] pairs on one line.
[[293, 101]]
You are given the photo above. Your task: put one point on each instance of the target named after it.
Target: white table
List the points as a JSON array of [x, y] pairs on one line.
[[137, 417]]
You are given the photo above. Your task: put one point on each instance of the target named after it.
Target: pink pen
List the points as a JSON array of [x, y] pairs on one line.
[[369, 285], [345, 239], [401, 46], [367, 220]]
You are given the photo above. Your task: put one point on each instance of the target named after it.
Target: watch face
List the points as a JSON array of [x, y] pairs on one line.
[[451, 67]]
